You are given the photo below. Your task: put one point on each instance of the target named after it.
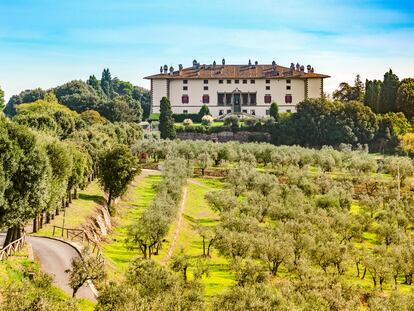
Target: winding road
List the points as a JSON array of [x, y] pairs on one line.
[[55, 257]]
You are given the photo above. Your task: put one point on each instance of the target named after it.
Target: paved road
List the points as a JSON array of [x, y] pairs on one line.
[[55, 257]]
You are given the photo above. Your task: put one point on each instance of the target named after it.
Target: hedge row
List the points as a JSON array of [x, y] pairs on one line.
[[182, 116], [199, 128]]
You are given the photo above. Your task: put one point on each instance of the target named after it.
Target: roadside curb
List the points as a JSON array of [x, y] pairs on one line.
[[77, 249]]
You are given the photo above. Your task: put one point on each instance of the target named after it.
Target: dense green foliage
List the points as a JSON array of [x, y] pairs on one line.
[[47, 153], [373, 95], [148, 233], [1, 99], [151, 287], [347, 92], [405, 97], [312, 229], [204, 111], [389, 92], [114, 99], [117, 168], [37, 293], [166, 126], [274, 111]]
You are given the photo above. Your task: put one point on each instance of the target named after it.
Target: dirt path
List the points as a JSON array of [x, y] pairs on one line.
[[177, 227]]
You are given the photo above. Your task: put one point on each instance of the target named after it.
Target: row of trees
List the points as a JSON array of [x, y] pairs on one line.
[[304, 225], [319, 122], [48, 152], [114, 99], [148, 233], [388, 95], [295, 237], [205, 154]]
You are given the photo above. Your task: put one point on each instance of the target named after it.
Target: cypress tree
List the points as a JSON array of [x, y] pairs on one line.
[[373, 94], [203, 112], [274, 111], [389, 92], [405, 97], [106, 82], [166, 120]]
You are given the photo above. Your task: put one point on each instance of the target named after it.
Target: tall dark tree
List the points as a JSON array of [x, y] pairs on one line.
[[359, 89], [372, 97], [389, 92], [274, 111], [204, 111], [106, 82], [405, 97], [166, 126]]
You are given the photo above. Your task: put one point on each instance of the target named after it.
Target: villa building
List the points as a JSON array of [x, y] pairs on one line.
[[249, 88]]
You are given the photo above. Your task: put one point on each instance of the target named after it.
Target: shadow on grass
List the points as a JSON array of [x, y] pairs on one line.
[[96, 198]]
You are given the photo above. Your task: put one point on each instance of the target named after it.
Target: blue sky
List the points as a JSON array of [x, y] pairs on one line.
[[44, 43]]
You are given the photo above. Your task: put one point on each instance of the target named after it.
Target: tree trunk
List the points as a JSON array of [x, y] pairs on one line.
[[70, 196], [209, 246], [13, 234], [202, 171], [363, 275], [185, 274], [275, 267], [35, 223], [75, 193], [357, 266], [204, 247], [41, 220], [47, 217], [109, 199]]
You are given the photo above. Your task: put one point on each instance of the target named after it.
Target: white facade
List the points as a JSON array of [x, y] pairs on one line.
[[285, 91]]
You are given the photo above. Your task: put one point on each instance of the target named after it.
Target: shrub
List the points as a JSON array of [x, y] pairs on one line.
[[180, 117], [233, 122], [207, 120], [187, 122]]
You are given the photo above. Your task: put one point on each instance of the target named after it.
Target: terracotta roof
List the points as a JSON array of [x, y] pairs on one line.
[[236, 72]]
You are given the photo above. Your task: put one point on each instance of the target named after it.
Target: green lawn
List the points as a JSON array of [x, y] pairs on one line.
[[78, 211], [140, 194]]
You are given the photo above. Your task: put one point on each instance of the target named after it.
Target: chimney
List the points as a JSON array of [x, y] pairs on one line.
[[214, 64], [165, 69], [273, 64], [302, 70], [292, 66], [256, 63], [313, 70], [309, 68], [171, 70], [161, 69], [223, 61], [250, 62], [297, 67], [180, 67]]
